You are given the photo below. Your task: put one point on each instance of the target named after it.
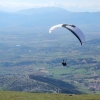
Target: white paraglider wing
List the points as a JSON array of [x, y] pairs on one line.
[[75, 30], [54, 27]]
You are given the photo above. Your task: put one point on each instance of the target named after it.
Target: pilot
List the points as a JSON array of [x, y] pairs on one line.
[[64, 63]]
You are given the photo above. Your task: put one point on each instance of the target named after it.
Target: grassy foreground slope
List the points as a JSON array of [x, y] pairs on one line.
[[9, 95]]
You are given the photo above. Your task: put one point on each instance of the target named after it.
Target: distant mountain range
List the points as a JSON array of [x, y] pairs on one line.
[[42, 10], [43, 18]]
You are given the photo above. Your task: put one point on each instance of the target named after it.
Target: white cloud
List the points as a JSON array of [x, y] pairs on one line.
[[23, 5], [82, 7], [13, 4], [71, 6]]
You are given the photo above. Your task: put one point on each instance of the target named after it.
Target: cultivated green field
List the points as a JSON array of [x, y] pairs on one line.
[[9, 95]]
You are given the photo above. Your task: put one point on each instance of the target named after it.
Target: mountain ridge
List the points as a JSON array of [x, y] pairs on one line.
[[46, 17]]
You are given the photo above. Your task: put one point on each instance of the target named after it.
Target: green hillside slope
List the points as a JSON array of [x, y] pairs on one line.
[[8, 95]]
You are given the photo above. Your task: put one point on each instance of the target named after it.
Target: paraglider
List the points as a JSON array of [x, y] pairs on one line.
[[64, 63], [73, 29]]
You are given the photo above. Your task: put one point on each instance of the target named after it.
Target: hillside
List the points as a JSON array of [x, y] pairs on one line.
[[36, 83], [9, 95]]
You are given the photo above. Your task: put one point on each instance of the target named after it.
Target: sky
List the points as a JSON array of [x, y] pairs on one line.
[[70, 5]]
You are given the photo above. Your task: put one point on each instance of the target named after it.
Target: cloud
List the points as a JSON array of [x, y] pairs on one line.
[[71, 6], [15, 5], [82, 6]]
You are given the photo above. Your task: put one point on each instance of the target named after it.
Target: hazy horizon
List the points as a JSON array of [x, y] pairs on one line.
[[72, 5]]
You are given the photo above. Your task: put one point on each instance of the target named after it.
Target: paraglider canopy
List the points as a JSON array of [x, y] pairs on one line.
[[75, 30]]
